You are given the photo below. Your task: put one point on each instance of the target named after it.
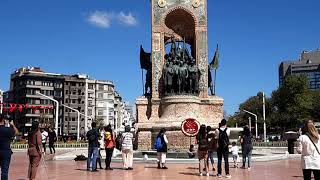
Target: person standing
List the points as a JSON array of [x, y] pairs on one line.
[[127, 148], [44, 137], [52, 140], [93, 137], [101, 146], [212, 148], [309, 148], [109, 142], [222, 136], [202, 141], [246, 146], [35, 149], [6, 136], [162, 148]]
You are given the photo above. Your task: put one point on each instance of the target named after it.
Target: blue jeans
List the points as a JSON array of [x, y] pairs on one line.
[[210, 157], [5, 158], [245, 157], [92, 157], [225, 154]]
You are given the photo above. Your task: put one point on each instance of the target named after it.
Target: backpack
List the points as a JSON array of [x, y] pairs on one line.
[[223, 141], [203, 144], [158, 144], [118, 142]]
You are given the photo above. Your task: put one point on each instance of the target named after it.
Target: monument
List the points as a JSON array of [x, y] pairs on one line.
[[177, 78]]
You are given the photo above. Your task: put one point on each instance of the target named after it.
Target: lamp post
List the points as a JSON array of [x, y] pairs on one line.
[[78, 112], [256, 118], [57, 109], [264, 117]]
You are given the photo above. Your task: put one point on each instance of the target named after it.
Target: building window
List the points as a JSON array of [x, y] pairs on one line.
[[90, 86], [100, 95], [67, 92], [101, 87]]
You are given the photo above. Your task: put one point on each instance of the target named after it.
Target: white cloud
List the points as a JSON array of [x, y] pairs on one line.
[[129, 19], [104, 19], [100, 19]]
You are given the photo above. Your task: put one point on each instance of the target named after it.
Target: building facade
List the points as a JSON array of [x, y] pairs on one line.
[[308, 64], [94, 99], [25, 86]]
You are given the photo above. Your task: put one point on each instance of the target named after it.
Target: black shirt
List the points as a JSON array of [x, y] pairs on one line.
[[6, 136]]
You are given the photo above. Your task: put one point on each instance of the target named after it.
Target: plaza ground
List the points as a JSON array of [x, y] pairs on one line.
[[272, 170]]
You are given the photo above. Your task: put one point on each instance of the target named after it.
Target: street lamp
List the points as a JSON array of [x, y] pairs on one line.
[[57, 109], [264, 117], [256, 118], [78, 112]]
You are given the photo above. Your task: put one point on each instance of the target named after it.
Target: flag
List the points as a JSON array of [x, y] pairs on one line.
[[145, 59], [215, 61]]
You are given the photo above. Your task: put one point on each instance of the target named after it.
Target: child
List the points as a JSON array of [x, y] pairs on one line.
[[235, 153]]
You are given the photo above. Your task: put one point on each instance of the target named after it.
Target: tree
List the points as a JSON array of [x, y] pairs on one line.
[[292, 103]]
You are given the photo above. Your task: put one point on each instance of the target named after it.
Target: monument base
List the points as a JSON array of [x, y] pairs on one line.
[[169, 113]]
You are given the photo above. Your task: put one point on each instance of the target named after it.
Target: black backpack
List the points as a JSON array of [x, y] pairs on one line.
[[223, 141]]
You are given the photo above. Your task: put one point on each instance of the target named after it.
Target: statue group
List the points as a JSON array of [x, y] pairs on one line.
[[180, 72]]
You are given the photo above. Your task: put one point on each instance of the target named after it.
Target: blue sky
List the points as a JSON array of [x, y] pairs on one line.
[[102, 38]]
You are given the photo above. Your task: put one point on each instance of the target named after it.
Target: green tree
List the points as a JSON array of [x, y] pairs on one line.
[[292, 103]]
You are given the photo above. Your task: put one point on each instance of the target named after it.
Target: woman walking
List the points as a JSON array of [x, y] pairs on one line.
[[162, 149], [246, 144], [35, 149], [309, 147], [127, 148], [202, 141], [109, 143]]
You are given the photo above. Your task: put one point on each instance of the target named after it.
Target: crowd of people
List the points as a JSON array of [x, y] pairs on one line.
[[208, 143]]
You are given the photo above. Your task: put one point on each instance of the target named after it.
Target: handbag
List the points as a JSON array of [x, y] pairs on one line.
[[313, 143]]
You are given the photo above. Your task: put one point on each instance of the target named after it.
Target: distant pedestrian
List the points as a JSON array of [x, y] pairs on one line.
[[6, 136], [235, 154], [44, 138], [161, 145], [35, 149], [202, 141], [93, 137], [101, 147], [52, 140], [127, 148], [212, 148], [222, 136], [191, 152], [246, 146], [309, 147], [109, 143]]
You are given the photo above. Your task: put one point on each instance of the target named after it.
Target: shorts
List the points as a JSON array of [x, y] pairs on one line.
[[235, 157]]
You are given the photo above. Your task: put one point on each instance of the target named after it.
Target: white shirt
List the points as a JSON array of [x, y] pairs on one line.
[[127, 139], [44, 136], [310, 158], [165, 139], [235, 150]]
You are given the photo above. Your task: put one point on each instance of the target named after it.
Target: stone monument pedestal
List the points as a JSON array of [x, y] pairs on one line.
[[169, 113]]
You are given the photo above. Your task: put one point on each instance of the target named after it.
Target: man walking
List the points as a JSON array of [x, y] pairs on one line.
[[222, 136], [52, 140], [93, 138], [6, 135], [44, 137]]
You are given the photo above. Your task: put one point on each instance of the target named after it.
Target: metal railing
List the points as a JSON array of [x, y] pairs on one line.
[[58, 145]]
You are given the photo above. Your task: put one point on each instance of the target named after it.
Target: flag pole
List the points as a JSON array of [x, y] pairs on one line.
[[142, 82], [214, 86]]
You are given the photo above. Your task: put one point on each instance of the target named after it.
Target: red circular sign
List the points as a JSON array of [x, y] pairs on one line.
[[190, 127]]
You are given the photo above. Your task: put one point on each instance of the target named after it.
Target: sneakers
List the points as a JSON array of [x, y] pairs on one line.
[[207, 174], [249, 168], [130, 168], [228, 176], [200, 174], [219, 176], [164, 167]]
